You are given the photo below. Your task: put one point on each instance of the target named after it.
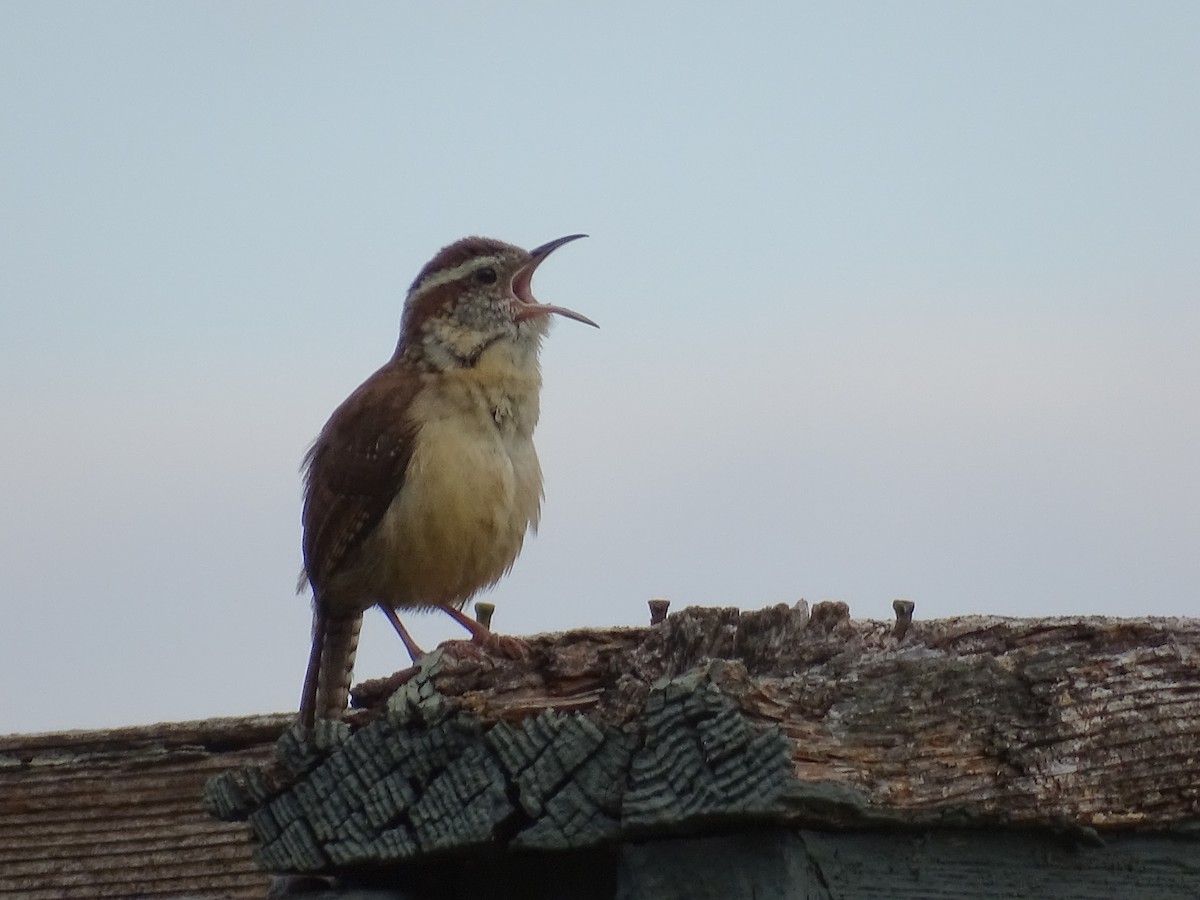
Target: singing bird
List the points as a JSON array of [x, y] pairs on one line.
[[421, 486]]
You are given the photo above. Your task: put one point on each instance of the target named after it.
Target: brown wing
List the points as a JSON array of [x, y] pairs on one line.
[[355, 468]]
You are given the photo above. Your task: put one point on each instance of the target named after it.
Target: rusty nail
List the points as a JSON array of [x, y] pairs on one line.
[[658, 610], [483, 613], [904, 612]]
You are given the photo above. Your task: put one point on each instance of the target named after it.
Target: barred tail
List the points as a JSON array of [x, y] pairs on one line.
[[330, 665]]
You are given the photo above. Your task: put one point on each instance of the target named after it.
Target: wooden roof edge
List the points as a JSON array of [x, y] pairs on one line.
[[215, 735]]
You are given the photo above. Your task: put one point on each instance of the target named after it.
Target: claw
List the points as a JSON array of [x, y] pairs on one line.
[[503, 645]]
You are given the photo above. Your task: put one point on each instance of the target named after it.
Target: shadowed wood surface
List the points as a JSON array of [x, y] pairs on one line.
[[117, 813], [718, 719]]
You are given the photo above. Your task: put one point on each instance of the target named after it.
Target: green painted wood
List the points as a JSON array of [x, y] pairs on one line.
[[806, 864], [989, 864], [759, 865]]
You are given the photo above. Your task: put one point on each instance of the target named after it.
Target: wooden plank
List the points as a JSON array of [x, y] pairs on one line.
[[117, 813], [718, 720]]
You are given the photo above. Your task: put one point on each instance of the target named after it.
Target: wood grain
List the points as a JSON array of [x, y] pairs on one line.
[[717, 718]]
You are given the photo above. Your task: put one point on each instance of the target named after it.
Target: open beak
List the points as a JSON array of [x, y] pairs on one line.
[[527, 306]]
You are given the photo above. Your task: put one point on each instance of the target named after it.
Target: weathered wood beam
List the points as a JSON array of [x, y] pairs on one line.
[[720, 719]]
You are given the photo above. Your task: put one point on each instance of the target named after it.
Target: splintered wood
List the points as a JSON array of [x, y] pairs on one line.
[[721, 716]]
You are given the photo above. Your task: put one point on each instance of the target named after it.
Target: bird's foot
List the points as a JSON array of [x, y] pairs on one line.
[[486, 643], [502, 645], [486, 639]]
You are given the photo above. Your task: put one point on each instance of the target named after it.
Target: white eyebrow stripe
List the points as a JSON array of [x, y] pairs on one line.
[[437, 279]]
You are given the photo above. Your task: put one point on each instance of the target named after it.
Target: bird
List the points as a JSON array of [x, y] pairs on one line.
[[421, 487]]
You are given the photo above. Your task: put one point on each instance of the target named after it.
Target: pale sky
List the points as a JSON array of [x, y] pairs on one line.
[[896, 300]]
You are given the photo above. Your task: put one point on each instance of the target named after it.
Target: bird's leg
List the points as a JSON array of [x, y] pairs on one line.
[[414, 652], [502, 645]]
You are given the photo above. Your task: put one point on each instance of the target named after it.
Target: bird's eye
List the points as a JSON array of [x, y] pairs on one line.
[[486, 275]]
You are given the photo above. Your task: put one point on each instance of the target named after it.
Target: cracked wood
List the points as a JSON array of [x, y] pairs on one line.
[[720, 716]]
